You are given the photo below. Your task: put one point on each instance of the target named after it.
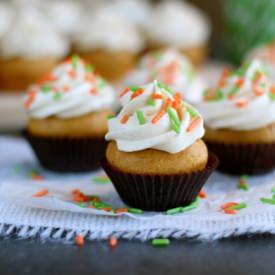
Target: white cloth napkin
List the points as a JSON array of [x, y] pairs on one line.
[[56, 216]]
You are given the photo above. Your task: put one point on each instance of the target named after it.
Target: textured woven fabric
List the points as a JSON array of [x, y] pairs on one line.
[[56, 217]]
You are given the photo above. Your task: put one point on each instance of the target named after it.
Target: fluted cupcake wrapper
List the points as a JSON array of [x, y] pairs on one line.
[[248, 159], [159, 192], [68, 154]]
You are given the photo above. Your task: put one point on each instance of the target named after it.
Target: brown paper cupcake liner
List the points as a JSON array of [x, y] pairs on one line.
[[159, 192], [240, 159], [68, 154]]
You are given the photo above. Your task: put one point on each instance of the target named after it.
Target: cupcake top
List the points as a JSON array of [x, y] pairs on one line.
[[135, 11], [178, 24], [6, 17], [173, 69], [65, 15], [266, 54], [153, 117], [106, 30], [72, 89], [243, 100], [32, 36]]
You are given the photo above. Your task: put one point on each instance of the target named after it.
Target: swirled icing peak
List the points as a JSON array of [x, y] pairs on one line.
[[154, 117], [243, 99], [72, 89], [170, 67]]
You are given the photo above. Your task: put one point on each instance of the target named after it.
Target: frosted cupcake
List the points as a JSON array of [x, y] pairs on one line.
[[266, 54], [240, 120], [182, 26], [156, 158], [28, 50], [68, 111], [171, 68], [110, 43]]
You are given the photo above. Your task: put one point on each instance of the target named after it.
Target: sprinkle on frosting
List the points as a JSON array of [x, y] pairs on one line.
[[242, 100], [70, 90], [153, 116], [171, 69]]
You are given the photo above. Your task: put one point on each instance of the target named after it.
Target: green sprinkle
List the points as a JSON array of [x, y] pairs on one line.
[[268, 201], [46, 88], [242, 185], [102, 179], [273, 190], [89, 68], [192, 112], [233, 91], [75, 60], [219, 94], [174, 120], [57, 96], [101, 83], [151, 102], [134, 88], [173, 211], [272, 96], [135, 211], [192, 206], [169, 90], [82, 204], [161, 85], [160, 242], [110, 116], [140, 117], [239, 206], [273, 196]]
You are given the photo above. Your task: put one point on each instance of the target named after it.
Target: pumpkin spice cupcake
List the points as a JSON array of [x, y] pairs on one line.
[[180, 25], [156, 158], [28, 50], [240, 120], [171, 68], [110, 43], [68, 111]]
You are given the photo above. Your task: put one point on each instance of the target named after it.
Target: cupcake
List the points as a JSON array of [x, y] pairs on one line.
[[182, 26], [110, 43], [240, 120], [156, 158], [28, 50], [266, 54], [68, 111], [171, 68]]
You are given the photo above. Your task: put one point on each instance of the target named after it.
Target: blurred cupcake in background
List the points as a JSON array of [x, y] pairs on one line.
[[240, 120], [64, 15], [266, 54], [6, 18], [68, 111], [29, 49], [180, 25], [110, 43], [171, 68]]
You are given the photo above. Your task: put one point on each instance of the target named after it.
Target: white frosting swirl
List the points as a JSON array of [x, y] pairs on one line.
[[71, 90], [178, 24], [106, 30], [32, 36], [266, 54], [243, 100], [145, 121], [173, 69]]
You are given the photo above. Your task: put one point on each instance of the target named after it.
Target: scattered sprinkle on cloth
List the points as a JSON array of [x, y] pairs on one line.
[[38, 203]]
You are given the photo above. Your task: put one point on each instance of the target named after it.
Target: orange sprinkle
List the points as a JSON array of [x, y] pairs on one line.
[[124, 119], [229, 211], [177, 100], [202, 194], [272, 89], [89, 78], [158, 116], [121, 210], [257, 91], [79, 240], [93, 91], [47, 78], [227, 205], [66, 88], [41, 193], [126, 90], [137, 93], [194, 123], [224, 75], [113, 242], [76, 191], [240, 103], [239, 83], [168, 103], [157, 96], [72, 74], [107, 209], [36, 177], [30, 99]]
